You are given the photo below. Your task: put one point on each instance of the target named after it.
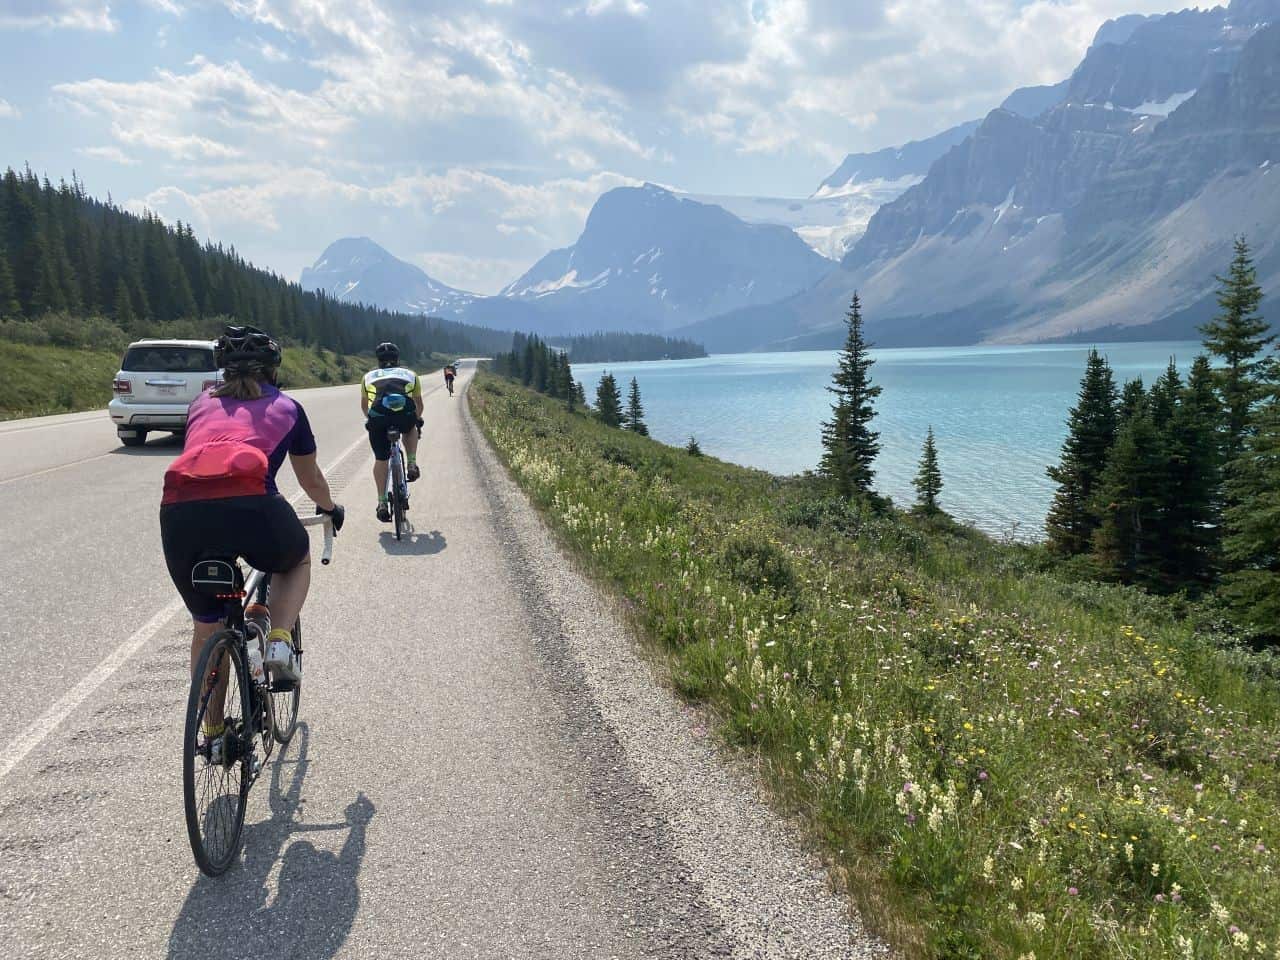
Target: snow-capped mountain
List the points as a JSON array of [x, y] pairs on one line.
[[650, 260], [1105, 216], [358, 270], [829, 223]]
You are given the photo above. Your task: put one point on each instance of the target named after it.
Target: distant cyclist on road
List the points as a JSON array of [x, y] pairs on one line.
[[450, 371], [391, 398], [220, 496]]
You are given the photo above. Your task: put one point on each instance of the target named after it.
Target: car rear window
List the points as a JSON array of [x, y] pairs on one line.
[[169, 359]]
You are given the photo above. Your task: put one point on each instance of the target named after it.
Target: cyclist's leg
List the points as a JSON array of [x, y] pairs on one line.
[[410, 437], [189, 531], [279, 545], [381, 453]]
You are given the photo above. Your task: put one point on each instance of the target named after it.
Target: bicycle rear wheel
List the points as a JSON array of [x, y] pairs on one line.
[[216, 788], [284, 702], [398, 488]]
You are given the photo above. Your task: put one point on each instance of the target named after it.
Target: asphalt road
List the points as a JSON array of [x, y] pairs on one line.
[[485, 768]]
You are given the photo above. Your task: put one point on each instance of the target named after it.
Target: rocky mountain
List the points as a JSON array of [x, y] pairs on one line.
[[1107, 213], [829, 224], [358, 270], [649, 260]]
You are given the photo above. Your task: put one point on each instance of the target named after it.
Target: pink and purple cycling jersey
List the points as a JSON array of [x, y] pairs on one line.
[[234, 448]]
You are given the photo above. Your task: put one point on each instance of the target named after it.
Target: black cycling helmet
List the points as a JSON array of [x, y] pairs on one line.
[[246, 350], [387, 354]]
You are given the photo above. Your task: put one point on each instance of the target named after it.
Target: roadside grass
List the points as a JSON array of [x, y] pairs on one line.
[[41, 379], [1001, 763]]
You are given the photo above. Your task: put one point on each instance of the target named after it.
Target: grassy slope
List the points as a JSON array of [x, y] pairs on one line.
[[39, 380], [1001, 764]]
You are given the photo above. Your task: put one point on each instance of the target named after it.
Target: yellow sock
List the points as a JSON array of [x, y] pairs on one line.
[[279, 633], [214, 730]]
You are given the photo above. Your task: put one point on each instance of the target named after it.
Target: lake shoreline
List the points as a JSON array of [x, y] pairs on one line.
[[999, 413]]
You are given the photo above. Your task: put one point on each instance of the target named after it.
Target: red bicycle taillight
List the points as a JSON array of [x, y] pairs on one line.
[[122, 386]]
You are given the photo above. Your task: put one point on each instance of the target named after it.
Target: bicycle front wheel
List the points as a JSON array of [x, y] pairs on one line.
[[284, 702], [216, 758]]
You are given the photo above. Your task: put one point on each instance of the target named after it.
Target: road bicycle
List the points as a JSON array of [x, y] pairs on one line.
[[397, 484], [219, 769]]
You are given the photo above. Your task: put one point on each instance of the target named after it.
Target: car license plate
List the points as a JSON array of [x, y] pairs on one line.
[[167, 391]]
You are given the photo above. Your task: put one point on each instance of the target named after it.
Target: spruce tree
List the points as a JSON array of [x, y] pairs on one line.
[[1127, 542], [1193, 485], [634, 418], [693, 448], [123, 308], [1252, 544], [1132, 399], [9, 306], [1239, 335], [850, 445], [928, 481], [1091, 433], [609, 401]]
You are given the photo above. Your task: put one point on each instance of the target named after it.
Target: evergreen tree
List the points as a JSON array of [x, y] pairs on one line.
[[9, 306], [123, 311], [62, 250], [1252, 542], [580, 393], [1238, 335], [1127, 542], [850, 445], [634, 417], [1132, 399], [1193, 484], [1073, 516], [928, 481], [609, 401], [693, 448]]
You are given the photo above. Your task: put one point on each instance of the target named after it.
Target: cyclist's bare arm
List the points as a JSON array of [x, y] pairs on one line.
[[311, 479], [418, 403], [364, 401]]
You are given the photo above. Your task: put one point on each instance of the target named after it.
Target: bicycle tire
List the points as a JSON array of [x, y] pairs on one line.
[[284, 703], [216, 850], [398, 496]]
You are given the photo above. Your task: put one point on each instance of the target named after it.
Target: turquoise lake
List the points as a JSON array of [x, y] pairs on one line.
[[999, 414]]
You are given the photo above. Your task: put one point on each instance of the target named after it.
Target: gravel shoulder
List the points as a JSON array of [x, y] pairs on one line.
[[658, 775]]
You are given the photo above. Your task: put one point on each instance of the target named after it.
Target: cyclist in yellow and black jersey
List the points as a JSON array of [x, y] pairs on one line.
[[391, 397]]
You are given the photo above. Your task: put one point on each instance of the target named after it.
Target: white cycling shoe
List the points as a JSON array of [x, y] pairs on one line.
[[281, 661]]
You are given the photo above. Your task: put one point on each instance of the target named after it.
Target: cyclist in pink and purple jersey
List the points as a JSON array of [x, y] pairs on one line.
[[220, 496]]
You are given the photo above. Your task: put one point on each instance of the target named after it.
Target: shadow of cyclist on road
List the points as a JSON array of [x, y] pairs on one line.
[[315, 894], [415, 544]]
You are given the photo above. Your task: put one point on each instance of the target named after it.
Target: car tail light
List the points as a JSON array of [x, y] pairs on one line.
[[122, 386], [209, 385]]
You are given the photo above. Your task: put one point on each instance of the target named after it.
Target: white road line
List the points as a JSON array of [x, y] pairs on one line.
[[33, 735], [30, 738], [61, 466], [23, 425]]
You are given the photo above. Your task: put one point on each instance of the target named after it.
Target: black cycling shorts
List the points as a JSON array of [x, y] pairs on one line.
[[263, 530], [379, 425]]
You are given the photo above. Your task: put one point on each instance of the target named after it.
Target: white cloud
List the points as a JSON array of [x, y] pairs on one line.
[[199, 114], [8, 110], [477, 274], [111, 154], [56, 14], [271, 53]]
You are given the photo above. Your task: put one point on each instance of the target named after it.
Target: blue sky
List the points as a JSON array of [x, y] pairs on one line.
[[471, 136]]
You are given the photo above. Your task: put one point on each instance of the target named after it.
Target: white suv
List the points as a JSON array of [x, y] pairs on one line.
[[156, 382]]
